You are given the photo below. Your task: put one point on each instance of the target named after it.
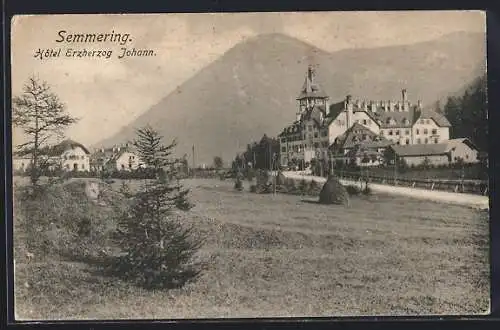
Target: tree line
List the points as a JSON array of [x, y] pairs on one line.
[[468, 114], [259, 155]]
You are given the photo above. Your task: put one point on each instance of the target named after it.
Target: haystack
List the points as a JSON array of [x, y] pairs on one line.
[[333, 192]]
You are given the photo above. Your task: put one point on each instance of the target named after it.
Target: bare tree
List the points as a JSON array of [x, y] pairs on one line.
[[41, 115]]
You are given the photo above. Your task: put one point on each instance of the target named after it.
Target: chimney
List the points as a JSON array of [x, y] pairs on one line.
[[348, 99], [390, 105], [419, 104], [404, 95], [365, 106], [373, 106], [358, 104]]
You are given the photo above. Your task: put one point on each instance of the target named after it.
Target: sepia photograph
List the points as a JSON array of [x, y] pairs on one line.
[[250, 165]]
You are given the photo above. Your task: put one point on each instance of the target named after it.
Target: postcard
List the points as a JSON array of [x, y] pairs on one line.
[[250, 165]]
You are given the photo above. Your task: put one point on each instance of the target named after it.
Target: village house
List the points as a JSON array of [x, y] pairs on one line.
[[359, 146], [318, 124], [67, 155], [450, 152], [117, 158], [20, 163]]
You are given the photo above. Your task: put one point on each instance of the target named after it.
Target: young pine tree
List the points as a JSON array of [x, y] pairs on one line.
[[159, 250]]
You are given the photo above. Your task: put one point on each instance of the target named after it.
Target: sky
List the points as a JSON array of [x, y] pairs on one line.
[[107, 94]]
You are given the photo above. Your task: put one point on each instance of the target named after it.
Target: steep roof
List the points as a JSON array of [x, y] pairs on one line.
[[58, 149], [311, 88], [420, 149], [454, 142], [430, 149], [440, 119], [354, 136], [292, 129], [315, 113]]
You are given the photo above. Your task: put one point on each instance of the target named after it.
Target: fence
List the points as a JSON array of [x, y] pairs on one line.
[[478, 187]]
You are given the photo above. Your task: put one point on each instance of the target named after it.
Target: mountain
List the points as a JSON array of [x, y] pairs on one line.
[[251, 89]]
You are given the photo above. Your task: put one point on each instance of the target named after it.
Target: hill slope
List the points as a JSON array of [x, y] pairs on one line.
[[251, 89]]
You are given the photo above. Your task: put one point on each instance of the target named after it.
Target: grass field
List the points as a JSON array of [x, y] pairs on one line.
[[280, 256]]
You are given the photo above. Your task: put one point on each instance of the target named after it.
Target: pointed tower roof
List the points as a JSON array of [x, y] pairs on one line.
[[311, 88]]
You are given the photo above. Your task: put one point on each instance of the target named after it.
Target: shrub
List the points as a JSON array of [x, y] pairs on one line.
[[303, 186], [125, 190], [290, 185], [313, 187], [238, 185], [61, 219], [353, 190]]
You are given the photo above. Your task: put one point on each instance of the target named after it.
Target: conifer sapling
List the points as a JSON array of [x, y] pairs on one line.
[[159, 249]]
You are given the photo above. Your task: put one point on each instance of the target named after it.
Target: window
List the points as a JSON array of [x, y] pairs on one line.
[[123, 166], [129, 165], [316, 145], [436, 140], [309, 128], [397, 142], [407, 132], [390, 132], [434, 131], [381, 132], [407, 141], [315, 134], [397, 132], [426, 140], [426, 131], [83, 157], [283, 149], [466, 156], [364, 122], [417, 131], [365, 137], [418, 141], [83, 166], [427, 121]]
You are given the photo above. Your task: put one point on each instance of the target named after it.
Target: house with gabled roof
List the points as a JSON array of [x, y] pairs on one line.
[[318, 123], [117, 158], [359, 145], [449, 152], [67, 155]]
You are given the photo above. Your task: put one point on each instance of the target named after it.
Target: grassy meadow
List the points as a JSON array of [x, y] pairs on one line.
[[284, 255]]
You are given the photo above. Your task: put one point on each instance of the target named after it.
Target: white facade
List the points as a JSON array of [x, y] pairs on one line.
[[20, 163], [75, 159], [426, 131], [127, 161]]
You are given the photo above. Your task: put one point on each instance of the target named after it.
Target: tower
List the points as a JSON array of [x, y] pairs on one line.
[[311, 93]]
